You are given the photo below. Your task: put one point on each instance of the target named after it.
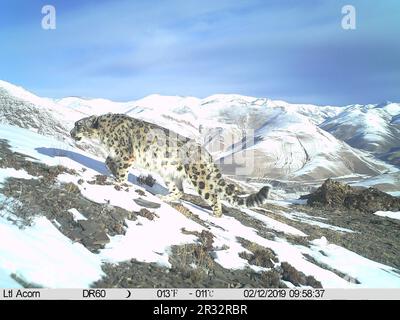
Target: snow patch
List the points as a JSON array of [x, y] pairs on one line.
[[11, 172], [41, 254], [273, 224], [369, 273], [389, 214], [77, 215], [311, 220], [150, 241]]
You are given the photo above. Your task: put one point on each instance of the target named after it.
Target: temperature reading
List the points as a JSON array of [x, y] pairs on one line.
[[167, 293], [204, 293]]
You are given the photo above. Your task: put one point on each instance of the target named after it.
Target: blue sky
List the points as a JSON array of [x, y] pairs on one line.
[[280, 49]]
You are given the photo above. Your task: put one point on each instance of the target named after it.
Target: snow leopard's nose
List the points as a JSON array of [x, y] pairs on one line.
[[74, 136]]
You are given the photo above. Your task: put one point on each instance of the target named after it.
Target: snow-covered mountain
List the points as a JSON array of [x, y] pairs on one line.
[[285, 140], [90, 106], [51, 118], [224, 111], [289, 146], [20, 108], [372, 127]]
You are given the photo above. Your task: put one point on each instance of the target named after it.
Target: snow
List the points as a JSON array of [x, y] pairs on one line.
[[56, 223], [305, 218], [273, 224], [306, 153], [120, 248], [389, 214], [371, 274], [165, 103], [396, 119], [157, 235], [91, 106], [41, 254], [105, 194], [29, 143], [11, 172], [381, 179], [228, 229], [366, 119], [50, 151], [369, 127], [77, 215], [6, 281], [290, 146], [26, 95], [392, 108]]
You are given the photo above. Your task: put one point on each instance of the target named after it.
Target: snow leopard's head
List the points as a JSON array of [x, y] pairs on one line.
[[85, 128]]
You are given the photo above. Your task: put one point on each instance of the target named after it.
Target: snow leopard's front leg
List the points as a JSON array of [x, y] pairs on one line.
[[175, 190], [119, 167]]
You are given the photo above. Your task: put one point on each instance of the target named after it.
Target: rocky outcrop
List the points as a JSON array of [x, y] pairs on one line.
[[336, 195]]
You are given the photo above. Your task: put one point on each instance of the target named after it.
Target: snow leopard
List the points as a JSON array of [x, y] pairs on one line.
[[134, 142]]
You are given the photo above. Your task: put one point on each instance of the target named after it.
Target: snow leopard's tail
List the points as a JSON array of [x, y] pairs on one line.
[[257, 198], [252, 200], [229, 192]]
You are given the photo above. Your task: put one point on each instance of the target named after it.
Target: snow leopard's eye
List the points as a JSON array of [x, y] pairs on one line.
[[79, 126]]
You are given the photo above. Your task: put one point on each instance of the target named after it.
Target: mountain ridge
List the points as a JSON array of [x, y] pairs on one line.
[[290, 147]]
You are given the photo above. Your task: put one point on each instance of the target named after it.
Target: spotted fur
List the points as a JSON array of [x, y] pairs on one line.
[[176, 158]]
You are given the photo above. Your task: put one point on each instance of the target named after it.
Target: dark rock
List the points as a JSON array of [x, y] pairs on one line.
[[100, 238], [140, 192], [116, 216], [75, 235], [206, 238], [89, 227], [207, 274], [148, 180], [147, 214], [372, 200], [331, 193], [289, 273], [334, 195], [100, 180], [87, 242], [312, 282], [72, 188], [146, 203], [119, 228], [271, 279], [259, 256]]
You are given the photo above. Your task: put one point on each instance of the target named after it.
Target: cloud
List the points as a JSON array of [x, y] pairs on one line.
[[294, 50]]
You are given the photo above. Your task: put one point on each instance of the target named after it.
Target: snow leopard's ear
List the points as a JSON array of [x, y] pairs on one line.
[[95, 123], [91, 122]]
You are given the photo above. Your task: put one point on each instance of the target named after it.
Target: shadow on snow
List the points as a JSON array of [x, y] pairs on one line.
[[97, 166]]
